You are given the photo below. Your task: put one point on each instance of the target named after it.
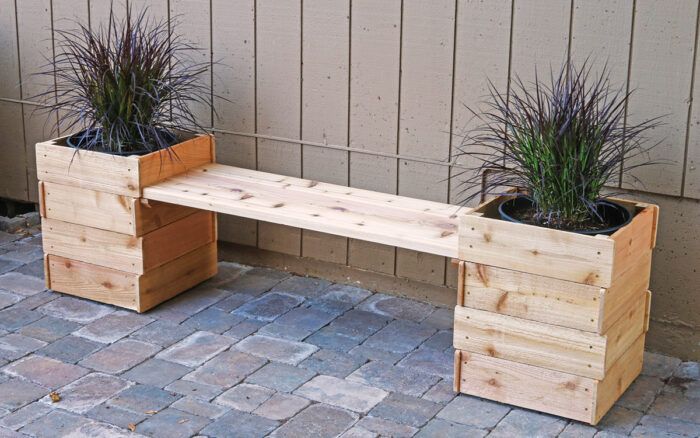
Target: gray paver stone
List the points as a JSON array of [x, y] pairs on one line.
[[70, 349], [244, 397], [281, 406], [163, 333], [196, 349], [245, 424], [21, 284], [45, 371], [528, 423], [342, 393], [428, 361], [13, 346], [112, 327], [659, 365], [197, 390], [620, 420], [442, 392], [438, 428], [280, 377], [406, 409], [305, 286], [346, 293], [156, 372], [397, 307], [75, 309], [120, 356], [8, 298], [199, 407], [641, 394], [317, 421], [55, 423], [114, 415], [392, 378], [88, 392], [278, 350], [14, 318], [24, 416], [269, 307], [659, 425], [578, 430], [226, 369], [385, 427], [49, 329], [17, 393], [400, 336], [172, 423], [332, 363], [143, 399], [676, 406], [213, 320], [473, 411]]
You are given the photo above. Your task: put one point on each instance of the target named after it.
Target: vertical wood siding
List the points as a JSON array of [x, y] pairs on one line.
[[392, 78]]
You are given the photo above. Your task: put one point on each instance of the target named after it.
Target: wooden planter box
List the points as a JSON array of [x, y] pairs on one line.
[[552, 320], [103, 242]]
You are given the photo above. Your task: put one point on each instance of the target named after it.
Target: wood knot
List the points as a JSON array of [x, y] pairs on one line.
[[446, 233], [494, 382], [487, 237], [491, 351], [571, 386], [502, 301], [535, 252], [107, 285], [339, 208], [246, 196], [281, 204]]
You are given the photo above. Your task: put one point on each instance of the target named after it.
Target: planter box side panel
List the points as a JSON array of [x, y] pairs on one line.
[[532, 297], [164, 164], [178, 238], [93, 282], [179, 275], [87, 169]]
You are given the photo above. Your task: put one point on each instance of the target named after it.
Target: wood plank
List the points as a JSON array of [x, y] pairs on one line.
[[664, 41], [527, 386], [625, 331], [619, 377], [93, 282], [278, 61], [35, 47], [534, 343], [179, 275], [625, 291], [343, 215], [540, 37], [108, 211], [192, 19], [13, 172], [125, 252], [324, 117], [424, 121], [176, 160], [483, 34], [533, 297], [536, 250], [374, 101], [233, 47]]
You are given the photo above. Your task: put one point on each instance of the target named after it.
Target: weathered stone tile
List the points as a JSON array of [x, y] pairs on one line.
[[38, 300], [317, 421], [685, 387], [359, 324], [281, 406], [405, 409], [269, 307], [163, 333], [641, 394], [441, 319], [659, 365], [14, 318], [70, 349], [213, 320], [332, 363], [428, 361], [442, 392], [112, 327], [441, 341], [197, 390], [233, 302], [278, 350], [193, 301], [358, 432], [473, 411], [23, 253], [200, 408], [8, 265], [391, 378], [245, 328], [676, 406], [644, 432], [6, 238], [305, 318], [24, 416], [49, 329], [196, 349], [399, 336], [342, 393], [288, 332], [117, 416], [397, 307], [75, 309], [95, 429], [33, 269], [333, 307], [44, 371], [13, 346], [55, 423], [376, 354], [438, 428], [226, 369], [305, 286], [384, 427], [609, 434], [17, 393], [528, 423], [143, 399], [688, 370], [8, 298], [332, 338], [280, 377], [346, 293], [244, 397], [657, 426], [578, 430], [227, 271], [173, 423], [255, 281], [156, 372], [620, 420], [245, 424], [88, 392], [120, 356], [21, 284]]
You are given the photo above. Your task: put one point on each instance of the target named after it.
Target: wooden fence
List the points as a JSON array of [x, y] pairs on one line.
[[372, 93]]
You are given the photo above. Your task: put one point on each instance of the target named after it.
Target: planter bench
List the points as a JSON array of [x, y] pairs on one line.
[[545, 319]]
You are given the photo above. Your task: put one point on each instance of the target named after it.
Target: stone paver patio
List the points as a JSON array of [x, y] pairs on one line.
[[257, 352]]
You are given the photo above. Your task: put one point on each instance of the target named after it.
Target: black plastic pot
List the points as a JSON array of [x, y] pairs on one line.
[[79, 139], [611, 212]]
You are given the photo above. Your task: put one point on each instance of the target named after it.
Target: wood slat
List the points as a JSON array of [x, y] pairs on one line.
[[343, 215], [374, 101]]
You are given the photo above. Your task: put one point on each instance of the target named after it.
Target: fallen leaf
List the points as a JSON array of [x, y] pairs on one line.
[[132, 427], [151, 412], [55, 397]]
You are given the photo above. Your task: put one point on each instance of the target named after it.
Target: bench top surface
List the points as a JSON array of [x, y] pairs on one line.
[[400, 221]]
